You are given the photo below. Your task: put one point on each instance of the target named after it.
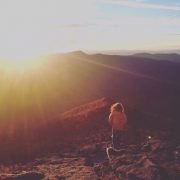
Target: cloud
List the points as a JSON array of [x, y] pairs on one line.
[[74, 25], [145, 4]]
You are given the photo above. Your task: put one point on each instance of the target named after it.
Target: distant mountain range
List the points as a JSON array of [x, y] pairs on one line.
[[173, 55], [131, 52], [71, 79], [168, 57]]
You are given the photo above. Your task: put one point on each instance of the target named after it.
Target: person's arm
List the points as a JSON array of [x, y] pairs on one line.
[[110, 118]]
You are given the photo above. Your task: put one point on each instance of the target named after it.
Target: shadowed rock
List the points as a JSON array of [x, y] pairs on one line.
[[33, 175]]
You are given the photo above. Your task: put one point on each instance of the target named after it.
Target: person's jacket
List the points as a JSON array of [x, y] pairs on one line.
[[118, 120]]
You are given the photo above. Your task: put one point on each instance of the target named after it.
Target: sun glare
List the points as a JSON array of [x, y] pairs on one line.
[[20, 65]]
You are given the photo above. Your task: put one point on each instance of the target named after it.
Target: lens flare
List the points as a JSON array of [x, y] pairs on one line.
[[19, 65]]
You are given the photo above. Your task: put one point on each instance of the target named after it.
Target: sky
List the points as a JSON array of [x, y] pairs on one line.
[[30, 28]]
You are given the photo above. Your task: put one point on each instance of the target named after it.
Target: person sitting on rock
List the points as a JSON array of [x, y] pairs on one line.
[[118, 121]]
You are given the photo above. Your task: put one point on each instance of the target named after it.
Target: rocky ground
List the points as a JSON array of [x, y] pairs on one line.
[[154, 159], [147, 154]]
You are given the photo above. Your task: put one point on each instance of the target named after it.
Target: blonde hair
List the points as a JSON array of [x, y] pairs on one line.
[[117, 107]]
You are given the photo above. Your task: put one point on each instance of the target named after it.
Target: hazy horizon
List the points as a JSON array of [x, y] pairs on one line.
[[132, 52]]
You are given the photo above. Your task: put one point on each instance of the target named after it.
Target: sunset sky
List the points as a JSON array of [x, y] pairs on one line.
[[34, 27]]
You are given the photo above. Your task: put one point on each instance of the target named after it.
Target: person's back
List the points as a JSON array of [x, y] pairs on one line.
[[118, 121]]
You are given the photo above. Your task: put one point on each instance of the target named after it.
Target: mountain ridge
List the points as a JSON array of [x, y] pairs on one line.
[[173, 57]]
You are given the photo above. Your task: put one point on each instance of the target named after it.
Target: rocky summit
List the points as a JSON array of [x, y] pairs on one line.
[[154, 159], [76, 148]]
